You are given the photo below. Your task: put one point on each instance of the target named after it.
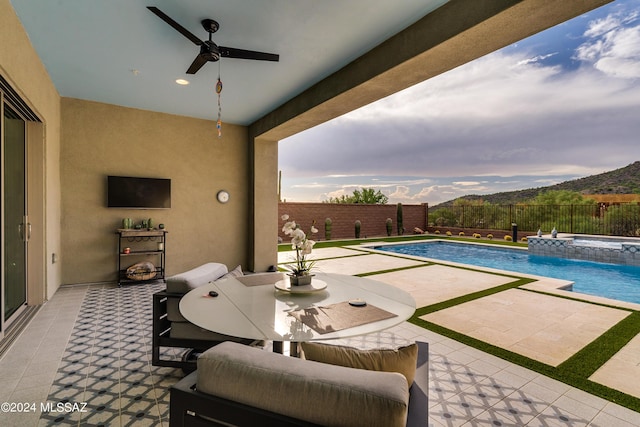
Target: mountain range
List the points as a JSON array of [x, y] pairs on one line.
[[625, 180]]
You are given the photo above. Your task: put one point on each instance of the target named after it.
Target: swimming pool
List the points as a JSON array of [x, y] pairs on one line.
[[620, 282]]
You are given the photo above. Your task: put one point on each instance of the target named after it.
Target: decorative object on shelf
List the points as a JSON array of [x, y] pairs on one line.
[[150, 224], [161, 226], [554, 233], [138, 226], [127, 223], [126, 251], [145, 223], [300, 271], [141, 271], [160, 246], [223, 196]]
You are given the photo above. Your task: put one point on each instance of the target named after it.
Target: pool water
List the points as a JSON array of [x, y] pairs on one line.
[[620, 282]]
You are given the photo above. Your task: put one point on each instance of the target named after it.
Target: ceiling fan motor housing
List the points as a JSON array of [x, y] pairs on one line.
[[210, 51]]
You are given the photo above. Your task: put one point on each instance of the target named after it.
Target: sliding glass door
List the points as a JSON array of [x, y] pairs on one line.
[[15, 229]]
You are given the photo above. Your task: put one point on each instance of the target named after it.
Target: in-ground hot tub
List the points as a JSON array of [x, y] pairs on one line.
[[615, 250]]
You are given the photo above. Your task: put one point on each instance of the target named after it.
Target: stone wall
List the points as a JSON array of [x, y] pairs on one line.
[[343, 217]]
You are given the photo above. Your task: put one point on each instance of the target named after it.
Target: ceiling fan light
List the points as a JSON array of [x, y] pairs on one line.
[[182, 82]]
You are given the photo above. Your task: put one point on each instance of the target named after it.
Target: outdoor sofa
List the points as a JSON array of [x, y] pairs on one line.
[[240, 386]]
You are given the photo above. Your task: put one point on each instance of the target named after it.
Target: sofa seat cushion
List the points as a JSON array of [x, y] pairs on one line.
[[311, 391], [184, 282], [402, 359]]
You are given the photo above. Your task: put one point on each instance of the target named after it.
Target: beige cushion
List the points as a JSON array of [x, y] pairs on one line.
[[315, 392], [402, 360]]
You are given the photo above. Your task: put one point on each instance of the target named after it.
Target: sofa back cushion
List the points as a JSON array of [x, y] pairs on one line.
[[184, 282]]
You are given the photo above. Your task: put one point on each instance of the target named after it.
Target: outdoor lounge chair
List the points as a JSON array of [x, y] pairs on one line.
[[171, 329]]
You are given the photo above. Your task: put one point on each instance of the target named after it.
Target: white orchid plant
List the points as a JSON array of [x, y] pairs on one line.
[[301, 244]]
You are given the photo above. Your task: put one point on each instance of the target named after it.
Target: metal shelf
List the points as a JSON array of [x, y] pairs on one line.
[[140, 241]]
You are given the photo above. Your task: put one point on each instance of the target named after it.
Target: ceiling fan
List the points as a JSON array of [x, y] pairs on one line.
[[209, 51]]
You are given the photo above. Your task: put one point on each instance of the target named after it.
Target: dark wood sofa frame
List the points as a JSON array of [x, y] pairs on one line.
[[161, 337], [188, 407]]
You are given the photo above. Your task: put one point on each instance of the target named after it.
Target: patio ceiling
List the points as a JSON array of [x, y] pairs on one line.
[[118, 52]]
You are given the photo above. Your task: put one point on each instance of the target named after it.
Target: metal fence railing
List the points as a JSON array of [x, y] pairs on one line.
[[615, 220]]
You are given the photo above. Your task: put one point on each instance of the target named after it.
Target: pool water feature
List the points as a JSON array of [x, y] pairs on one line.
[[615, 281], [615, 250]]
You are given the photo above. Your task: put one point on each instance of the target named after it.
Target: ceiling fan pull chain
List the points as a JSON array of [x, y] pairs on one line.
[[218, 90]]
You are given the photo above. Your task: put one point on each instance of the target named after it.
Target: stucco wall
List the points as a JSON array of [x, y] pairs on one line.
[[101, 139], [22, 68], [343, 216]]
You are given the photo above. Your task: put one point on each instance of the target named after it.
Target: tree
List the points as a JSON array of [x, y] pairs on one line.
[[368, 196]]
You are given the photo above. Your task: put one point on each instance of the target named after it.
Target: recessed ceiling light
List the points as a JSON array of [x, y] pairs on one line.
[[182, 82]]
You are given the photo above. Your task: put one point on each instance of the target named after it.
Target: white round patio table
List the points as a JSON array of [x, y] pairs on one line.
[[262, 312]]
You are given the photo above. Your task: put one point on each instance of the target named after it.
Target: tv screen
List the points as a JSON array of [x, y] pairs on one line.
[[138, 193]]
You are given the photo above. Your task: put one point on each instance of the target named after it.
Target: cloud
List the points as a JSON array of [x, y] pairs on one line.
[[612, 47], [537, 58]]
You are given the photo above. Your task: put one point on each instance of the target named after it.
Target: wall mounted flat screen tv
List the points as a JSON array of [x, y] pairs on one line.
[[138, 193]]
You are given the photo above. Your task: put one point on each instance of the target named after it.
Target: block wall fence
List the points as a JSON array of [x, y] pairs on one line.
[[343, 216]]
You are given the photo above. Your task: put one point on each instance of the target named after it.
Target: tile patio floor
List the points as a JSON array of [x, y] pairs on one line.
[[468, 387]]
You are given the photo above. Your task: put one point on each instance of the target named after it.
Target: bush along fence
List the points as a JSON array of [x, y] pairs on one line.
[[348, 221], [615, 220]]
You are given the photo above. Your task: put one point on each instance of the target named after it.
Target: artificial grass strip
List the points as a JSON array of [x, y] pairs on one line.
[[470, 297], [293, 260], [393, 270], [577, 299], [595, 354], [483, 346]]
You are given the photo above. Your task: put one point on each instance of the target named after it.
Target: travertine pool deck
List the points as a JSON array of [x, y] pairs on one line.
[[543, 327]]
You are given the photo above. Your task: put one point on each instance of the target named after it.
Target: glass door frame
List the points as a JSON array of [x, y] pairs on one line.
[[38, 180], [24, 227]]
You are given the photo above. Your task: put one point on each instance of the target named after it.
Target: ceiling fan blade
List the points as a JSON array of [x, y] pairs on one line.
[[230, 52], [175, 25], [197, 64]]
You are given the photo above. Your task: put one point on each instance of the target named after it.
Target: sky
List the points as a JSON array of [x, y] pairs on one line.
[[560, 105]]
